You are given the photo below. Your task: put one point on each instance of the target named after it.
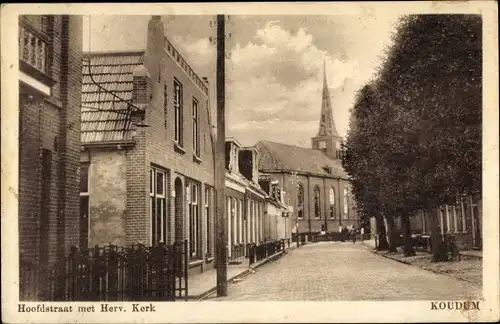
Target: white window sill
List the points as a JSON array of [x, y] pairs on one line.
[[196, 159], [178, 148]]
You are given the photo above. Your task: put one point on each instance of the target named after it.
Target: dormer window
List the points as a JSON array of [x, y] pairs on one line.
[[327, 170], [275, 191]]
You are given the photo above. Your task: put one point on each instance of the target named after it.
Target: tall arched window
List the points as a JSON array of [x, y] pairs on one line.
[[317, 202], [300, 201], [332, 203], [346, 203]]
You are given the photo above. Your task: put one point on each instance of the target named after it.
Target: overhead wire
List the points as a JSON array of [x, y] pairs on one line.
[[100, 88]]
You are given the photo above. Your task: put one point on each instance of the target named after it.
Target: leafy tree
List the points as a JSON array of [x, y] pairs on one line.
[[359, 161], [433, 76], [415, 139]]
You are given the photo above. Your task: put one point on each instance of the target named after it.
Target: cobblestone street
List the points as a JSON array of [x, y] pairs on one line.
[[344, 271]]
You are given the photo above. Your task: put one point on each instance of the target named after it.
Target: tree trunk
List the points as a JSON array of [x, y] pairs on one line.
[[382, 234], [407, 239], [438, 248], [391, 231]]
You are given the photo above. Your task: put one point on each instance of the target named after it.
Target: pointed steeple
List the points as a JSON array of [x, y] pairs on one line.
[[326, 124]]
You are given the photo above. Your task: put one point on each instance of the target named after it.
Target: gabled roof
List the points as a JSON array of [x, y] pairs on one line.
[[283, 157], [105, 118]]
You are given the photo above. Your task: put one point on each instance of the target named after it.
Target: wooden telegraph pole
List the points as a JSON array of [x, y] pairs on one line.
[[220, 156]]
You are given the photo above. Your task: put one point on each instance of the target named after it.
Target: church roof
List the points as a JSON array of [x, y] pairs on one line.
[[326, 123], [283, 157]]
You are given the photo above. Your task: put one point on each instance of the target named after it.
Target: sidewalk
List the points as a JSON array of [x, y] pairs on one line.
[[204, 284], [469, 268]]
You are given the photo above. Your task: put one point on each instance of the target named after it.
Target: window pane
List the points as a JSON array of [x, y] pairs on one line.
[[160, 183], [151, 181], [84, 178], [154, 223], [194, 193]]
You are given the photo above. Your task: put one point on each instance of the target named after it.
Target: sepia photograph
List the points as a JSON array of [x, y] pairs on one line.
[[204, 157]]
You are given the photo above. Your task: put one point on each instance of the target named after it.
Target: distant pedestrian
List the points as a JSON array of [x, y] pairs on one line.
[[353, 235], [362, 231]]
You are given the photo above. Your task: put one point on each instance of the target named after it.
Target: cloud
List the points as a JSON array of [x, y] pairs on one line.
[[274, 76], [275, 83]]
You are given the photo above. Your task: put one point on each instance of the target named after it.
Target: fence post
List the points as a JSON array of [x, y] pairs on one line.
[[186, 266], [112, 291]]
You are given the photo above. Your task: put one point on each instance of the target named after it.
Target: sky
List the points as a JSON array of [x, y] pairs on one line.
[[274, 66]]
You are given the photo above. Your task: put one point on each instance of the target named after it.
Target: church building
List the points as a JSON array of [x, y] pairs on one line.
[[312, 181]]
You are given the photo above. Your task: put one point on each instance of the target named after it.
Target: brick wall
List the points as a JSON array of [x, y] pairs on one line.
[[157, 146], [29, 174], [71, 85], [52, 125], [137, 175]]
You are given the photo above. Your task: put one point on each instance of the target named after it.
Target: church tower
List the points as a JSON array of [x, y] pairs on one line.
[[327, 139]]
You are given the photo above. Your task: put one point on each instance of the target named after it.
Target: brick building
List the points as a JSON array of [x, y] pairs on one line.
[[50, 51], [313, 180], [148, 154]]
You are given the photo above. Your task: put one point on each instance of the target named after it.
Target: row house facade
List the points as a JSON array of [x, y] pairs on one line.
[[147, 158], [50, 52], [245, 199], [278, 220]]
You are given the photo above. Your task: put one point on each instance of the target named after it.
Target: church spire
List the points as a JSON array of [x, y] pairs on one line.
[[326, 124]]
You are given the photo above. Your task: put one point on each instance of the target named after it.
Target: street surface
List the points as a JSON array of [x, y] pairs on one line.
[[344, 271]]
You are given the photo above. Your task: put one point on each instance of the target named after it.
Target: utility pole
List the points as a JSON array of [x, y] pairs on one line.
[[221, 234]]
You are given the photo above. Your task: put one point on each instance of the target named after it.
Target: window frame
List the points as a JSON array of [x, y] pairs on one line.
[[317, 202], [196, 126], [208, 233], [300, 201], [192, 200], [332, 202], [178, 112], [346, 203], [158, 200]]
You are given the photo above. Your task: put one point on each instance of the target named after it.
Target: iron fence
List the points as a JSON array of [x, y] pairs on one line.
[[264, 250], [114, 273], [237, 254]]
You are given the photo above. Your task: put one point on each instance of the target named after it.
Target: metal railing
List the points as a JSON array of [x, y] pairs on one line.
[[113, 273], [237, 254], [257, 253]]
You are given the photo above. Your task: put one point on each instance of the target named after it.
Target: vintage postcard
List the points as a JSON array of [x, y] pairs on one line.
[[260, 162]]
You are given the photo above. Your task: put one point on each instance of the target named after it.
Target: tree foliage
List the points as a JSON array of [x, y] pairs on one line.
[[415, 136]]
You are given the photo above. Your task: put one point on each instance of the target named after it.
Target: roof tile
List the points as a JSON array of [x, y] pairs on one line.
[[279, 156], [104, 117]]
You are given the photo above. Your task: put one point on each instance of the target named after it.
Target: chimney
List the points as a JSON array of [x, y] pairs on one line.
[[155, 44], [141, 85]]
